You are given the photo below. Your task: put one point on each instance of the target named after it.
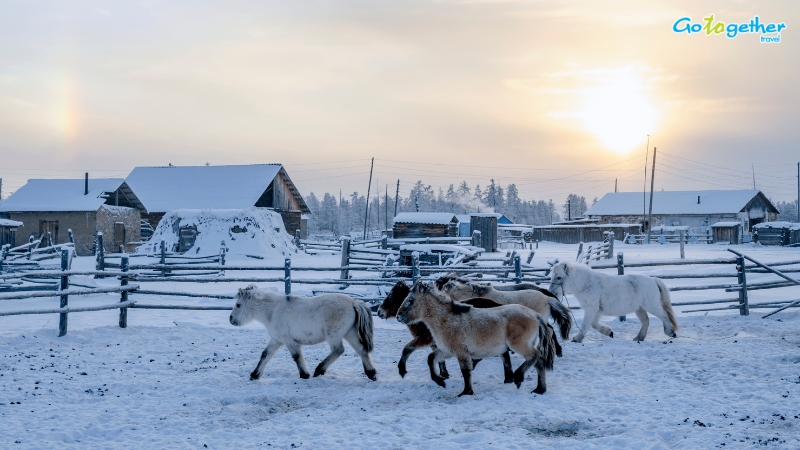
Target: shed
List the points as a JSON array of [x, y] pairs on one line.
[[8, 232], [730, 232], [168, 188], [424, 224], [695, 209], [573, 234], [777, 233], [85, 206], [487, 225], [464, 221]]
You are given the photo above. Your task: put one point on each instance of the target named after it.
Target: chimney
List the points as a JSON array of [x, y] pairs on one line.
[[86, 185], [698, 199]]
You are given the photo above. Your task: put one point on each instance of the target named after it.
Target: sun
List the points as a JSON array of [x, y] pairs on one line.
[[618, 114]]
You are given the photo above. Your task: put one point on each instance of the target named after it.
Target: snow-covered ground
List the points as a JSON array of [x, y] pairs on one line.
[[180, 379]]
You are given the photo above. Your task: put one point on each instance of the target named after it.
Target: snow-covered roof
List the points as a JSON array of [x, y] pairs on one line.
[[167, 188], [432, 218], [787, 225], [9, 223], [675, 202], [462, 218], [60, 195], [726, 224]]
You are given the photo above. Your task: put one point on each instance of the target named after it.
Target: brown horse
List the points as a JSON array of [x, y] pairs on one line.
[[526, 294], [469, 333], [422, 336]]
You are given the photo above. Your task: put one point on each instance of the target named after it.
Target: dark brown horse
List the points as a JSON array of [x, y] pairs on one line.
[[422, 336]]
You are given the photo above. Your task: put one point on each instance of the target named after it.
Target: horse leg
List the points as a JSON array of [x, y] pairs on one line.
[[297, 355], [588, 318], [601, 327], [336, 351], [541, 381], [442, 366], [555, 340], [415, 344], [465, 362], [642, 315], [266, 355], [366, 359], [661, 314], [433, 358], [508, 370]]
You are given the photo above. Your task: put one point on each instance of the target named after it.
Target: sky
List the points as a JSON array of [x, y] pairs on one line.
[[557, 97]]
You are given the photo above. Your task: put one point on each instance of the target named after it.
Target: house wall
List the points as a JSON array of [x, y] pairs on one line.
[[420, 230], [81, 223], [107, 216], [698, 224], [8, 236], [291, 221], [153, 218], [282, 197]]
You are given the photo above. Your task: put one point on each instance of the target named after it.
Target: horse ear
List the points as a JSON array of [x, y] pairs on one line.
[[241, 293], [459, 308]]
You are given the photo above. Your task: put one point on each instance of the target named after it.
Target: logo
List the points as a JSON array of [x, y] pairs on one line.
[[770, 32]]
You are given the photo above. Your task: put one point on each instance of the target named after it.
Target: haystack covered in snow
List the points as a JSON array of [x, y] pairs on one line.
[[253, 231]]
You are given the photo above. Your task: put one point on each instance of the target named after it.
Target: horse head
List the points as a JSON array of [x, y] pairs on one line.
[[393, 300], [559, 275], [412, 308], [242, 313]]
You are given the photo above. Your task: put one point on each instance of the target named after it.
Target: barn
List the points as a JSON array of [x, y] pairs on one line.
[[8, 231], [424, 224], [698, 210], [167, 188], [86, 207]]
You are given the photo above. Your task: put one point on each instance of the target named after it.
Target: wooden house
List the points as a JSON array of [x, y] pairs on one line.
[[586, 232], [777, 233], [424, 224], [167, 188], [52, 207], [696, 209], [728, 232], [8, 232]]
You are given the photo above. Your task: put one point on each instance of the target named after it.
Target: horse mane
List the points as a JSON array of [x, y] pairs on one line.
[[480, 302], [459, 308], [452, 276], [398, 293], [480, 289], [525, 287]]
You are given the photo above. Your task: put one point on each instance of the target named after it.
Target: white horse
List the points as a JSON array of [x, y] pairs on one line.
[[607, 295], [296, 321]]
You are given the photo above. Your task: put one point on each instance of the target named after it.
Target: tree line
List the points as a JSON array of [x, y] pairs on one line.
[[340, 213]]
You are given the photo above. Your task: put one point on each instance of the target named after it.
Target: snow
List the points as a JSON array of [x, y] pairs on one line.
[[425, 218], [9, 223], [180, 379], [430, 248], [163, 189], [787, 225], [252, 231], [726, 224], [60, 195], [674, 202]]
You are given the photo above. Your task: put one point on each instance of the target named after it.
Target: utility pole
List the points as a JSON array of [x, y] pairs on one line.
[[798, 192], [396, 197], [615, 185], [366, 213], [644, 185], [569, 209], [650, 213], [754, 176], [1, 189], [386, 209]]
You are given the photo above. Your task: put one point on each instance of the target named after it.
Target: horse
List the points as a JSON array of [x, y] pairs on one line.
[[296, 321], [607, 295], [422, 336], [469, 333], [526, 294]]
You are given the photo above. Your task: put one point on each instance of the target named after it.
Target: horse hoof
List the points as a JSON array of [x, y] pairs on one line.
[[254, 375], [466, 393], [318, 372], [611, 335], [674, 335], [539, 390], [559, 354], [440, 382], [508, 380], [372, 375], [305, 376]]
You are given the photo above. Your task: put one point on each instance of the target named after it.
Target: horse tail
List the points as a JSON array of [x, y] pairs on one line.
[[546, 345], [364, 325], [560, 315], [666, 303]]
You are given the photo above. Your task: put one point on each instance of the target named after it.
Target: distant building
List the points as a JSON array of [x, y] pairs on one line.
[[464, 221], [698, 210], [8, 231], [86, 206], [424, 224], [167, 188]]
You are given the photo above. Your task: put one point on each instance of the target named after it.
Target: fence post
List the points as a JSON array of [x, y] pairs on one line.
[[345, 274], [621, 271], [222, 258], [287, 276], [123, 312], [517, 270], [64, 285], [744, 307], [476, 238], [580, 251], [71, 236], [297, 238], [683, 238], [610, 245], [384, 242], [414, 267], [30, 247], [530, 257], [101, 257], [163, 258]]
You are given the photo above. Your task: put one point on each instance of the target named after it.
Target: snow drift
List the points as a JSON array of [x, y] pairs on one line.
[[253, 231]]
